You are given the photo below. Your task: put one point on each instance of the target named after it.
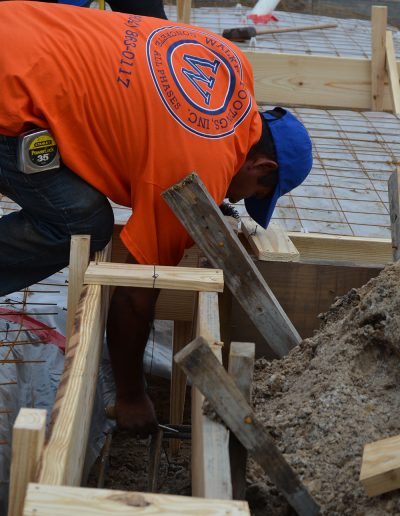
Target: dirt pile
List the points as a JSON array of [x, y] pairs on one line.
[[331, 395]]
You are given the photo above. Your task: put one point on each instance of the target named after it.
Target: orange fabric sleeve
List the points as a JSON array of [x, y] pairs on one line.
[[153, 234]]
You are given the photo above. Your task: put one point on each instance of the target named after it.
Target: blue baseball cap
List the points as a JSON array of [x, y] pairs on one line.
[[293, 149], [77, 3]]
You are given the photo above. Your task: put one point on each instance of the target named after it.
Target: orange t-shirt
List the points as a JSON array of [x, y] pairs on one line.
[[134, 103]]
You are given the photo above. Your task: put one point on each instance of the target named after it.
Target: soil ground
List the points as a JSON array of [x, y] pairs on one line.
[[322, 403]]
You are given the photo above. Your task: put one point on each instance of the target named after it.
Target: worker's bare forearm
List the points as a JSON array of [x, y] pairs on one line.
[[129, 321]]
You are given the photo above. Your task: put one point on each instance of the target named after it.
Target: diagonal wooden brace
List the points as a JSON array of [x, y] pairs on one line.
[[209, 376], [198, 212]]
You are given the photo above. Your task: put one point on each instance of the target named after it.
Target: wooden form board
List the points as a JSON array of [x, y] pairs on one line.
[[48, 500], [63, 457], [27, 445], [211, 472], [314, 81], [380, 468], [157, 276], [337, 248], [304, 291]]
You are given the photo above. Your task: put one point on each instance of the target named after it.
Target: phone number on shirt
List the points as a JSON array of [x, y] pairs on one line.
[[126, 62]]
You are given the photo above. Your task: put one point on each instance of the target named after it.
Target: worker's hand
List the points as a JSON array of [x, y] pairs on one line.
[[137, 416]]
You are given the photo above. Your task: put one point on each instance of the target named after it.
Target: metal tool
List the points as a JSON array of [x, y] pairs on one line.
[[37, 152], [245, 33]]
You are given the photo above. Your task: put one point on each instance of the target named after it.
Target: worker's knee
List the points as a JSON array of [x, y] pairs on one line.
[[96, 220]]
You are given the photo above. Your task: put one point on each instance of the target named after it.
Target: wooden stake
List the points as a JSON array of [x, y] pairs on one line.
[[394, 206], [198, 212], [211, 472], [393, 73], [379, 22], [241, 368], [78, 262], [27, 445], [205, 371]]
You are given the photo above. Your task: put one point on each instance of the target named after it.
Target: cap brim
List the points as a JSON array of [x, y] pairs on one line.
[[261, 210]]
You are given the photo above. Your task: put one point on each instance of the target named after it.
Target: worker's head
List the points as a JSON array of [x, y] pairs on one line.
[[279, 162]]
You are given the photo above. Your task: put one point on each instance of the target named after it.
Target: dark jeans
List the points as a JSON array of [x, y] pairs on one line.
[[35, 241]]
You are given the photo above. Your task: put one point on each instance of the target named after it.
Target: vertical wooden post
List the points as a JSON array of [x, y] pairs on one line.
[[394, 206], [64, 454], [393, 73], [183, 10], [379, 22], [241, 367], [78, 262], [27, 445], [211, 474], [182, 336]]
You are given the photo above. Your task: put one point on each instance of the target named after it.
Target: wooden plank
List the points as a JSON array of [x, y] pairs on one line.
[[211, 472], [27, 445], [339, 248], [64, 454], [393, 73], [394, 203], [336, 248], [271, 244], [198, 212], [203, 368], [47, 500], [378, 34], [154, 276], [380, 468], [314, 81], [241, 368], [182, 336], [78, 262]]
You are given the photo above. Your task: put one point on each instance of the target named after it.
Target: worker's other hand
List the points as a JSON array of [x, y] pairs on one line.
[[136, 416]]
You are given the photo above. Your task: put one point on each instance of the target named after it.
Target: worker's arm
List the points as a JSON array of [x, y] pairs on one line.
[[129, 322]]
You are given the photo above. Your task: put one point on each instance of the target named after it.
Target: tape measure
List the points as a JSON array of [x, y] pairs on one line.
[[37, 151]]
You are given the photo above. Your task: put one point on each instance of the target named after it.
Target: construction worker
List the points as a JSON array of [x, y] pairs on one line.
[[99, 105]]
